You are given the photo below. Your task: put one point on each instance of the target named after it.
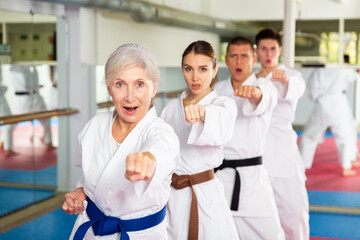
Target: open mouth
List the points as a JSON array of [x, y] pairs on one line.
[[268, 61], [238, 70], [130, 110], [195, 86]]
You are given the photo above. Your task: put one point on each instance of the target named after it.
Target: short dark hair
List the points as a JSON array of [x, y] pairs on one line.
[[268, 33], [240, 40]]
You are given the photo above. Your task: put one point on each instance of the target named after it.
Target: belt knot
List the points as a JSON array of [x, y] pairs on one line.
[[237, 185], [183, 181]]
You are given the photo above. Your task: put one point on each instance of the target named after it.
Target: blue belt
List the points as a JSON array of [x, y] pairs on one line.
[[106, 225]]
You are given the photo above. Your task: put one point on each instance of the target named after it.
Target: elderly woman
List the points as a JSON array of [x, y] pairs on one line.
[[127, 157]]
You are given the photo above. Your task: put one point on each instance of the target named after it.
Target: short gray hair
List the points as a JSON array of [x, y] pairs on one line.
[[131, 55]]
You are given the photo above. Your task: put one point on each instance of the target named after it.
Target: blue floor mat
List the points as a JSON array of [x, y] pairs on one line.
[[56, 225], [45, 176], [339, 199], [59, 226], [12, 199], [334, 225]]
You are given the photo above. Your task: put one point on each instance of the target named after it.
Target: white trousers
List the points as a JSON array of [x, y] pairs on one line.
[[33, 103], [343, 129], [259, 228], [293, 205]]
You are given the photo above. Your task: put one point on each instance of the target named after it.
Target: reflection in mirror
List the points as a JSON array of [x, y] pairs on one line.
[[29, 175], [28, 83]]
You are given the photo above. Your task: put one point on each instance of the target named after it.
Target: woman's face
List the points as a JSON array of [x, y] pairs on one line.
[[198, 72], [132, 91]]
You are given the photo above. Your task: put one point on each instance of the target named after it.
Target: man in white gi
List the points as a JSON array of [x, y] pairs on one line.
[[247, 186], [6, 141], [25, 81], [327, 88], [127, 157], [281, 156]]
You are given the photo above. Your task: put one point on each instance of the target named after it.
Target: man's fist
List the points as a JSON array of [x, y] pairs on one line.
[[279, 75], [194, 113], [140, 166], [253, 93]]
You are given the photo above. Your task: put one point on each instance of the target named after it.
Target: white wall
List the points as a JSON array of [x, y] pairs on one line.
[[166, 43], [267, 9]]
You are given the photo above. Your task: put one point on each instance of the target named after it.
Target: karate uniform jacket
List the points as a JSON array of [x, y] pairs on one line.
[[104, 174], [201, 149], [327, 88], [248, 141], [26, 79], [281, 156]]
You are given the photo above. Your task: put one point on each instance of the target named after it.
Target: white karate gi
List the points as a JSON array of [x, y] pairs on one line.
[[201, 149], [6, 130], [25, 79], [327, 88], [104, 179], [283, 162], [257, 216]]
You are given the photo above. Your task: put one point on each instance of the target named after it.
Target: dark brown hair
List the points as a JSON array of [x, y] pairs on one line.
[[268, 33], [200, 47], [203, 48]]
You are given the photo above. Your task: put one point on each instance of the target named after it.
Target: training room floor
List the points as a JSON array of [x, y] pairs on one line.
[[326, 187]]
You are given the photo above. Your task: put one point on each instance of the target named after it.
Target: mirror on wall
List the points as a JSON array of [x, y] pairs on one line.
[[28, 84]]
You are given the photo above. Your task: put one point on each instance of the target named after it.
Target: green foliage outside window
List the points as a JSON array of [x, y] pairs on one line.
[[329, 47]]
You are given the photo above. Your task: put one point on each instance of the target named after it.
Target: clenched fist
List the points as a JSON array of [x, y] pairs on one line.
[[140, 166], [280, 75], [253, 93], [194, 113], [73, 203]]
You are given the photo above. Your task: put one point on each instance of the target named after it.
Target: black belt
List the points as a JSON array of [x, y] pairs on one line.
[[25, 93], [234, 164]]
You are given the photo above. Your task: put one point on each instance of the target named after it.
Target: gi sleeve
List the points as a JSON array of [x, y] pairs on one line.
[[78, 159], [295, 88], [218, 126], [315, 86], [78, 163], [351, 76], [80, 182], [164, 144]]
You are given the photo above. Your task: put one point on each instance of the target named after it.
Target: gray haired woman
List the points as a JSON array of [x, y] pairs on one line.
[[127, 156]]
